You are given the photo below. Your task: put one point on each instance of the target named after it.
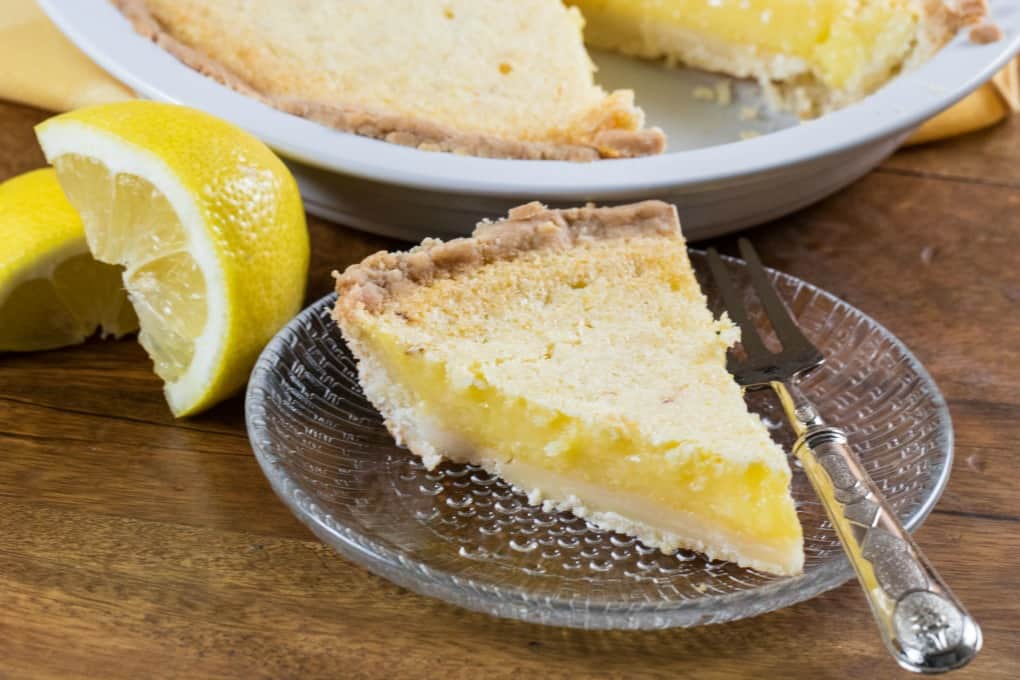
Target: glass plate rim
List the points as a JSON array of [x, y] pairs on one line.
[[515, 603]]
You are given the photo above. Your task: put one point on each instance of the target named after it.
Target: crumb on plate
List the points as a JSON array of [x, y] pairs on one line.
[[984, 34], [703, 93]]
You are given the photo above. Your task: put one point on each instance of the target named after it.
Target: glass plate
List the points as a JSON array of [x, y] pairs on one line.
[[464, 536]]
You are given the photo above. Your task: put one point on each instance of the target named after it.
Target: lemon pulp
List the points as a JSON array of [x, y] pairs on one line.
[[167, 288], [52, 292]]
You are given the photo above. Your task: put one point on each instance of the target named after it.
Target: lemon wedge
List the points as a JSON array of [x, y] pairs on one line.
[[52, 292], [208, 225]]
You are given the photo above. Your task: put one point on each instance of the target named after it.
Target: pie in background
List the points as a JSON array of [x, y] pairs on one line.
[[513, 80]]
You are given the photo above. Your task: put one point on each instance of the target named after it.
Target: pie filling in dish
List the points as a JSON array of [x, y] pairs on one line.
[[513, 79], [811, 56], [572, 353]]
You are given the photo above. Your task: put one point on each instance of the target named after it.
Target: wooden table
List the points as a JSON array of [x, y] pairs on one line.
[[134, 546]]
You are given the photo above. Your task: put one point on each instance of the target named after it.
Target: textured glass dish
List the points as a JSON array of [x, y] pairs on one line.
[[464, 536]]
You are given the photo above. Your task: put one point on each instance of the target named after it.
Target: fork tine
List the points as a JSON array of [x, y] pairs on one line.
[[734, 304], [788, 332]]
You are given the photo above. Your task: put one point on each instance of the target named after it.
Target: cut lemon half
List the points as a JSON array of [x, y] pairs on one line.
[[52, 292], [208, 225]]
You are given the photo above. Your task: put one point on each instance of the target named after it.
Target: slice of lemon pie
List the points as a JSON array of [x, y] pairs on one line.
[[812, 56], [571, 352]]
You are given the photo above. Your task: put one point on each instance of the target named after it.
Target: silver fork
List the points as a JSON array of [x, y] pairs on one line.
[[923, 625]]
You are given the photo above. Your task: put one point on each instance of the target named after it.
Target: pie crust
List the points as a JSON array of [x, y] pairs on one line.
[[384, 276]]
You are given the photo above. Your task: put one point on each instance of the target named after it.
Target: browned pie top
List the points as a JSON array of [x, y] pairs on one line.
[[529, 227]]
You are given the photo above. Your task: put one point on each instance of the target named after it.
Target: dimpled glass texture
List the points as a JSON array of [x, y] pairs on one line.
[[461, 535]]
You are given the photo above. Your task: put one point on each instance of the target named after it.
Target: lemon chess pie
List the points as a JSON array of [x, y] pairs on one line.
[[513, 79], [572, 353]]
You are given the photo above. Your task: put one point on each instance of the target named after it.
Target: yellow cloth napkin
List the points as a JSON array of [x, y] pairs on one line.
[[40, 67], [986, 106]]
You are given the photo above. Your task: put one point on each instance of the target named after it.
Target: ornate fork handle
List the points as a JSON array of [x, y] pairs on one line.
[[922, 623]]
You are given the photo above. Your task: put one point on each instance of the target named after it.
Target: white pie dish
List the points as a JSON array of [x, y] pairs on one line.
[[718, 186]]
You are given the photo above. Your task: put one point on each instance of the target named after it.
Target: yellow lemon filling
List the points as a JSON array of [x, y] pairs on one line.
[[844, 43], [746, 500]]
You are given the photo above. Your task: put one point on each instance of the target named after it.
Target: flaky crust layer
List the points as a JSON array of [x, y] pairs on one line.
[[942, 21], [381, 277], [406, 130]]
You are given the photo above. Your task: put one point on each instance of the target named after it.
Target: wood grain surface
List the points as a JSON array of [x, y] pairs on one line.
[[134, 546]]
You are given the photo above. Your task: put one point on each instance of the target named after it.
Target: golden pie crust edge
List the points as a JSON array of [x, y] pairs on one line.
[[384, 276], [942, 21]]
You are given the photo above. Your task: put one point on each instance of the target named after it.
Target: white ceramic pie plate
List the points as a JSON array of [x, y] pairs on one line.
[[718, 184]]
